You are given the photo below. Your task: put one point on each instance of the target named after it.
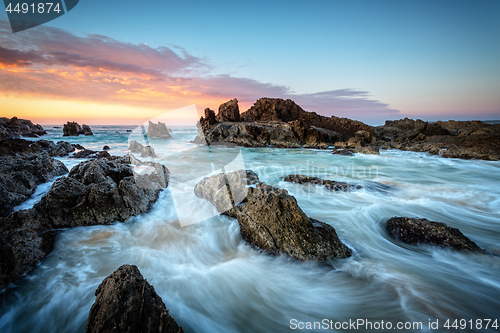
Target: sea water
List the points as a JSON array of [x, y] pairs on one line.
[[213, 281]]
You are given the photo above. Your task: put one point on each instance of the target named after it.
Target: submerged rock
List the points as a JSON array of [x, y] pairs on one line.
[[14, 128], [159, 131], [423, 231], [95, 192], [74, 129], [127, 303], [329, 184], [270, 218]]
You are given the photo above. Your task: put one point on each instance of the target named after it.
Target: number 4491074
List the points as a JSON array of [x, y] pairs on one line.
[[40, 8], [471, 324]]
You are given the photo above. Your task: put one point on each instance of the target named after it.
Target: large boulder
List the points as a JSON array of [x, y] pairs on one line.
[[423, 231], [270, 218], [95, 192], [15, 128], [159, 131], [127, 303], [74, 129]]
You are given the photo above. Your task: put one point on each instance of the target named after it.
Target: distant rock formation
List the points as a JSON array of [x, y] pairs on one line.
[[423, 231], [15, 128], [74, 129], [127, 303], [145, 151], [270, 218], [159, 131], [274, 122], [95, 192]]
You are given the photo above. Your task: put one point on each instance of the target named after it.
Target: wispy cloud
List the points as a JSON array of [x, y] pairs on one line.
[[53, 63]]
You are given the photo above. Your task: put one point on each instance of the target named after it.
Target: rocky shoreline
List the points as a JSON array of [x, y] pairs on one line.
[[106, 189], [282, 123]]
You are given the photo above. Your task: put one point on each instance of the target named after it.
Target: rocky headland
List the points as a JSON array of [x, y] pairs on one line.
[[284, 124], [127, 303]]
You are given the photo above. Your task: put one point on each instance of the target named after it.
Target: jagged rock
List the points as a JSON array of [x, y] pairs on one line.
[[276, 122], [23, 166], [74, 129], [270, 218], [277, 109], [423, 231], [106, 148], [95, 192], [127, 303], [15, 128], [229, 111], [159, 131], [145, 151]]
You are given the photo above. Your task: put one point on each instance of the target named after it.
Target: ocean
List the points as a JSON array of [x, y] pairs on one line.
[[213, 281]]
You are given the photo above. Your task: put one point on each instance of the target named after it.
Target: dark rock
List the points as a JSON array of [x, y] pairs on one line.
[[15, 128], [270, 218], [23, 166], [88, 153], [329, 184], [371, 150], [95, 192], [106, 148], [229, 111], [423, 231], [127, 303], [74, 129], [159, 130], [145, 151], [275, 122]]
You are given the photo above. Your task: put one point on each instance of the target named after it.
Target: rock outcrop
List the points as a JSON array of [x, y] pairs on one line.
[[127, 303], [423, 231], [95, 192], [270, 218], [274, 122], [159, 131], [74, 129], [15, 128], [452, 139], [26, 164], [145, 151]]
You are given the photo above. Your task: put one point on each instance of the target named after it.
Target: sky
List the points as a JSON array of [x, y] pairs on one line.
[[123, 61]]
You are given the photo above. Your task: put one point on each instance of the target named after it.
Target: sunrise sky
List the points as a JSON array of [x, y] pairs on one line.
[[123, 62]]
